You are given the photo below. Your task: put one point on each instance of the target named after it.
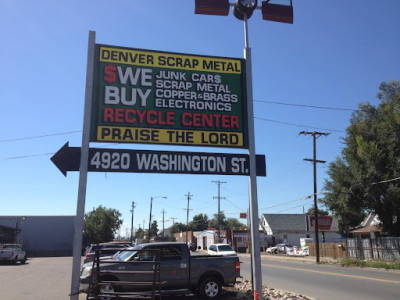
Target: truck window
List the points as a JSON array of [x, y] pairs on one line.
[[170, 253]]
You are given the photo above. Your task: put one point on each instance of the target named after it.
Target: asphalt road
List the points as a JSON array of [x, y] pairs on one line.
[[325, 282]]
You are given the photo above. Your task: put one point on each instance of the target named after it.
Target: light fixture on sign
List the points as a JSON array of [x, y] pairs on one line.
[[277, 12], [244, 7], [212, 7]]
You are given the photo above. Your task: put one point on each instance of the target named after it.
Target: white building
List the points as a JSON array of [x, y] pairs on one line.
[[289, 228]]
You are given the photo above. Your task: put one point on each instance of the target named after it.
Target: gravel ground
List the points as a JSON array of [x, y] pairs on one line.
[[243, 290]]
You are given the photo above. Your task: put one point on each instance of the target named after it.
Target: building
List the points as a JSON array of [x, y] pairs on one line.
[[39, 235], [290, 228], [239, 240]]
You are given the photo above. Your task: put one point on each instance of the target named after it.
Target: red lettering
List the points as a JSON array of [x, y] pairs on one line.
[[130, 116], [108, 114], [186, 115], [151, 120], [119, 115]]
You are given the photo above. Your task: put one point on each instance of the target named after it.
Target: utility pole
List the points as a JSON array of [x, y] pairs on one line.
[[163, 212], [132, 210], [187, 215], [219, 206], [315, 161], [173, 221]]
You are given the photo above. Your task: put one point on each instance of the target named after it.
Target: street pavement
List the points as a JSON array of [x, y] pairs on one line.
[[325, 281], [49, 278]]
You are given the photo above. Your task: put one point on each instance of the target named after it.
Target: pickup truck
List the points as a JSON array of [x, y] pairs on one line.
[[180, 273], [12, 253]]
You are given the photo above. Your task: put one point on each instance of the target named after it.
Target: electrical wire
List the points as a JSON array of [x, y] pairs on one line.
[[284, 203], [39, 136], [298, 125], [305, 105], [384, 181]]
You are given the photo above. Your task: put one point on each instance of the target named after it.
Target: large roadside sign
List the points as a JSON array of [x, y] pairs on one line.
[[153, 97]]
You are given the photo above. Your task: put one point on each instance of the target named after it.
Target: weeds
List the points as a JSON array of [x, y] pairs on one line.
[[380, 264]]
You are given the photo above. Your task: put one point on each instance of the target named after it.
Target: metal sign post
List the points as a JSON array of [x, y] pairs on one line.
[[80, 210], [253, 199]]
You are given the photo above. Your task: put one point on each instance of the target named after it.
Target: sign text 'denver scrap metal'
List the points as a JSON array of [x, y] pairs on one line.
[[144, 96]]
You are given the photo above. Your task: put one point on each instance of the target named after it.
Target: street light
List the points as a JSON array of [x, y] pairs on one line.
[[16, 227], [243, 10], [151, 207]]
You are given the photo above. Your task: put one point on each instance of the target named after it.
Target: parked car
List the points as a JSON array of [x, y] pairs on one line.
[[108, 249], [221, 249], [179, 271], [12, 253], [279, 248]]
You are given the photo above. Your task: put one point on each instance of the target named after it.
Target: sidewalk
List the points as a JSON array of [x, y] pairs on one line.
[[300, 259]]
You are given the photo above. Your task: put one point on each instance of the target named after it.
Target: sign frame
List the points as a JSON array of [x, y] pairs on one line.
[[186, 127]]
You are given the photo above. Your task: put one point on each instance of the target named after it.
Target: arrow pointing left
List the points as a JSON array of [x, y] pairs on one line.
[[67, 159]]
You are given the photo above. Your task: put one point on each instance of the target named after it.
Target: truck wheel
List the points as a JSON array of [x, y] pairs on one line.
[[210, 288], [23, 260], [15, 260]]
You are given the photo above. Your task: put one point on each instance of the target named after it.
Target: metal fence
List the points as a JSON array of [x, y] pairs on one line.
[[386, 248]]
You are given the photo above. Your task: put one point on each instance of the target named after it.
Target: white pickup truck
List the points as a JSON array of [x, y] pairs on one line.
[[12, 253]]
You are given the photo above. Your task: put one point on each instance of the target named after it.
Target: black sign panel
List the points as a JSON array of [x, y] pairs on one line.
[[144, 161]]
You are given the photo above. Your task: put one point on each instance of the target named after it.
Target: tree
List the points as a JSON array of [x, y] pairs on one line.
[[199, 223], [139, 233], [101, 225], [222, 220], [234, 224], [364, 178], [177, 227], [321, 212], [153, 230]]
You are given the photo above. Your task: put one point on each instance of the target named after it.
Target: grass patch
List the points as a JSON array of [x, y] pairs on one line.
[[379, 264]]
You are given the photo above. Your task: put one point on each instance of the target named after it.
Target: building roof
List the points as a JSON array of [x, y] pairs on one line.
[[286, 222], [367, 229]]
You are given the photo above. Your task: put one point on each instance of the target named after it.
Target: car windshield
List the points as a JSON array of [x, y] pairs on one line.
[[225, 248], [126, 255]]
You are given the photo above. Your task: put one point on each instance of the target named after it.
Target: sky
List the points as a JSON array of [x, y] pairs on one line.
[[335, 55]]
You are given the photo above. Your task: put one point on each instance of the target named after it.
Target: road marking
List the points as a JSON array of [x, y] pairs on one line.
[[333, 274]]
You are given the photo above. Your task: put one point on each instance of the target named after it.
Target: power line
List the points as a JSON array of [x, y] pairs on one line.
[[39, 136], [293, 207], [384, 181], [284, 203], [305, 105], [298, 125]]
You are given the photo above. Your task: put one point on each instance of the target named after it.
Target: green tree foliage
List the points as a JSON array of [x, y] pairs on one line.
[[199, 223], [139, 233], [101, 225], [214, 221], [371, 155], [177, 227], [234, 224], [321, 212]]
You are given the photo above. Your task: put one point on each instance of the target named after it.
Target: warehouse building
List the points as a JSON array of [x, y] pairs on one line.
[[39, 235]]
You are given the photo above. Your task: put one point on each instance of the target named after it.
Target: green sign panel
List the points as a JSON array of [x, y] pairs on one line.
[[144, 96]]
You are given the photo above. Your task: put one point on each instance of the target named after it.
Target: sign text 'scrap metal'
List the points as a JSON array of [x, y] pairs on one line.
[[152, 97]]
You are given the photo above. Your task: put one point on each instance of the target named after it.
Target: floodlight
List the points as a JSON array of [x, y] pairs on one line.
[[212, 7], [277, 12]]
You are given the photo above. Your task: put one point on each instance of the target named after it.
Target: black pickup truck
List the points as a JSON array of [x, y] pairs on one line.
[[178, 270]]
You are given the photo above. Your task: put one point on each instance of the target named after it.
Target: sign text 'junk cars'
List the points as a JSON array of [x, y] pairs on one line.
[[144, 96]]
